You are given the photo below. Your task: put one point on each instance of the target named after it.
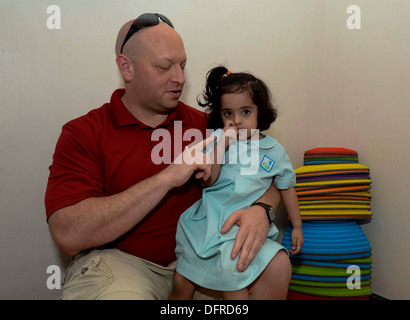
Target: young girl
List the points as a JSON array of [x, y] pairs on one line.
[[241, 105]]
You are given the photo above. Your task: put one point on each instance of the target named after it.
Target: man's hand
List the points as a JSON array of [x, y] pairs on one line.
[[191, 160], [253, 230]]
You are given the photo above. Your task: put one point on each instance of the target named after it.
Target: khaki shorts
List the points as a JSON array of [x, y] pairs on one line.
[[111, 274]]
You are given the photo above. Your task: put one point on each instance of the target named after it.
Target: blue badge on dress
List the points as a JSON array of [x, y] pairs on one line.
[[267, 163]]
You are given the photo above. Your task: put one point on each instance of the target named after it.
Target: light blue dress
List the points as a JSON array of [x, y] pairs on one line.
[[203, 253]]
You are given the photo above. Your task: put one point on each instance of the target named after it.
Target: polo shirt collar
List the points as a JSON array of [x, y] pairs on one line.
[[267, 142], [122, 117]]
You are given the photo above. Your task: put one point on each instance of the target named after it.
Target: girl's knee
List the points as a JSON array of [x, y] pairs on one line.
[[274, 281], [283, 265]]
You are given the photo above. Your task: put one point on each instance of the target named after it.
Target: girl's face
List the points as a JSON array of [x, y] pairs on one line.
[[239, 109]]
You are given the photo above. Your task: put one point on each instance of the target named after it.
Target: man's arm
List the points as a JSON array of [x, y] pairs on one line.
[[253, 228], [97, 221]]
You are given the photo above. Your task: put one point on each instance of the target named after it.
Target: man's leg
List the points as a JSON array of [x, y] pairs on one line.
[[111, 274]]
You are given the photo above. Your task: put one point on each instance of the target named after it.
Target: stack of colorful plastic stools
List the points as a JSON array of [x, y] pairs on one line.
[[337, 188], [329, 249], [330, 156], [335, 260]]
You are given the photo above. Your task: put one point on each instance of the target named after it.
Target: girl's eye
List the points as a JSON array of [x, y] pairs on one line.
[[227, 113], [246, 112]]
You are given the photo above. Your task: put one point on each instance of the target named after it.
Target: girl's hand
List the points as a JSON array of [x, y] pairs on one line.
[[297, 240], [230, 132]]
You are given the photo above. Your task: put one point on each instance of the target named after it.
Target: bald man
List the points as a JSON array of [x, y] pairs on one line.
[[116, 211]]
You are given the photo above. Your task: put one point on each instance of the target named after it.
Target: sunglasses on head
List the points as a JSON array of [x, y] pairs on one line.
[[143, 21]]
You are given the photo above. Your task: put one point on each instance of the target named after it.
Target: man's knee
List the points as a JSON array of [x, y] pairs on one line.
[[111, 274], [121, 295]]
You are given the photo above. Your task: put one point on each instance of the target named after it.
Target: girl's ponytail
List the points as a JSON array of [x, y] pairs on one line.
[[212, 93], [212, 96]]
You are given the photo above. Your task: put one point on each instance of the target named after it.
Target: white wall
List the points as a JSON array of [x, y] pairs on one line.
[[334, 87], [366, 100]]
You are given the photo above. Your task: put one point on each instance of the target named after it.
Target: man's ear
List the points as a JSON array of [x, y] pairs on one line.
[[125, 66]]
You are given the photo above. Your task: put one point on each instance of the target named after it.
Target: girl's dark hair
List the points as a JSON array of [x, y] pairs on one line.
[[219, 83]]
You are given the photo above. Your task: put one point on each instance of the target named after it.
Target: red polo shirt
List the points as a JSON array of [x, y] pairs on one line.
[[107, 151]]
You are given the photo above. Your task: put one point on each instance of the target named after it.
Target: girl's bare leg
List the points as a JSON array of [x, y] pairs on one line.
[[242, 294], [183, 288], [273, 282]]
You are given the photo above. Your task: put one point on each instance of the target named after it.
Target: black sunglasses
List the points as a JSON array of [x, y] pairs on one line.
[[143, 21]]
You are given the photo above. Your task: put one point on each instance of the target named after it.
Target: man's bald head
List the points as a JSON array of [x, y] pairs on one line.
[[121, 36], [152, 66]]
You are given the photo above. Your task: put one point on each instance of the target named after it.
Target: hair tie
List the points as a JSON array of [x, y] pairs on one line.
[[227, 73]]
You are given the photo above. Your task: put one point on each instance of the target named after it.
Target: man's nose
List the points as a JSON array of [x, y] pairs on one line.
[[178, 75]]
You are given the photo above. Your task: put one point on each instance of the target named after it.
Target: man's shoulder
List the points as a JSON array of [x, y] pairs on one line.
[[89, 123], [92, 116]]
